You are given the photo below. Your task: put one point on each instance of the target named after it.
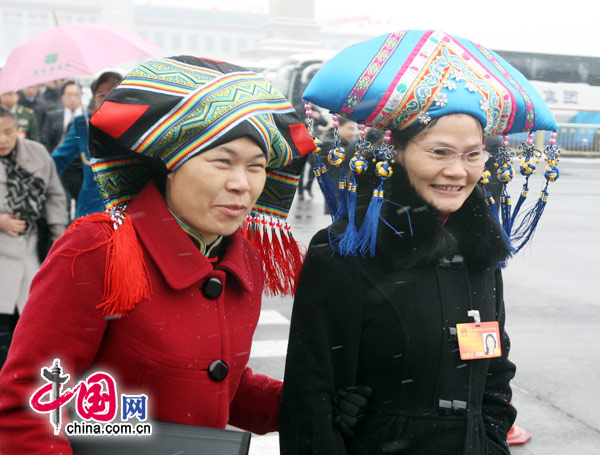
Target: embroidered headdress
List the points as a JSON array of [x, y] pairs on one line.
[[168, 110], [410, 77]]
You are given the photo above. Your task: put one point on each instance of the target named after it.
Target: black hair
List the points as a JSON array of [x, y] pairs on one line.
[[5, 112], [487, 337], [493, 143], [64, 87], [107, 76], [343, 120]]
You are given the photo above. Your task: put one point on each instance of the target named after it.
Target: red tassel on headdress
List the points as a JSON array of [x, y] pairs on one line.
[[125, 275], [295, 256], [271, 268], [280, 258], [246, 228]]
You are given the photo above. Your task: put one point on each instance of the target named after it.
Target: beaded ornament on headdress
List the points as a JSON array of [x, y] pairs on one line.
[[362, 241], [319, 169], [529, 157], [367, 234], [348, 240]]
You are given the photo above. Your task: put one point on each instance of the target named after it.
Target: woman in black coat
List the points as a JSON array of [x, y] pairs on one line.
[[389, 314], [389, 322]]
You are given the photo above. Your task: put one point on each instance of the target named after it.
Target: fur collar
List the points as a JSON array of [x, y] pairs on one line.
[[472, 232]]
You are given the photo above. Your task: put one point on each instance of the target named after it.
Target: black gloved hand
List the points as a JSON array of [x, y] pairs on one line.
[[349, 405]]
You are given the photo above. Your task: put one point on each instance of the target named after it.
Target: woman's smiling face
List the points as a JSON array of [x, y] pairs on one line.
[[213, 192], [445, 186]]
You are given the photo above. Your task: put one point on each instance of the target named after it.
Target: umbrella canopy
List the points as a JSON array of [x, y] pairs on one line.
[[70, 50]]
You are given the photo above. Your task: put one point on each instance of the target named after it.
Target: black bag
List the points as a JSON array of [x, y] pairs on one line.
[[44, 241], [167, 438]]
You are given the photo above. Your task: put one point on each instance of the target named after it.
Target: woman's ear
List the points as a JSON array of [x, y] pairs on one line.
[[399, 157]]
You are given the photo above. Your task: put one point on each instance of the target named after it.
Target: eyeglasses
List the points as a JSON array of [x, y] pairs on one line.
[[448, 154]]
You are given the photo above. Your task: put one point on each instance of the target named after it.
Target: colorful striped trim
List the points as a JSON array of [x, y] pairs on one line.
[[216, 129], [529, 110], [188, 105], [225, 107], [373, 69], [271, 210], [407, 76], [155, 85], [180, 65], [266, 135], [500, 98], [102, 166], [282, 179], [119, 180], [205, 248]]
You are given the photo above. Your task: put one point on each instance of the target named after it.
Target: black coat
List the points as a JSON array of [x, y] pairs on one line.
[[386, 322], [52, 131]]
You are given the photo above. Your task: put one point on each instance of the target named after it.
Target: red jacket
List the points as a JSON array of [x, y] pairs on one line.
[[163, 348]]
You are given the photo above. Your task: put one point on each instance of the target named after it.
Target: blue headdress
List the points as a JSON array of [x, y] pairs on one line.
[[410, 77]]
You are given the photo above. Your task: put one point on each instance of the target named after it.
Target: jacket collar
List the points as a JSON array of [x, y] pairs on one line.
[[178, 259]]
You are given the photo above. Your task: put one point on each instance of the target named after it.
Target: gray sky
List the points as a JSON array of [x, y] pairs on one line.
[[549, 26]]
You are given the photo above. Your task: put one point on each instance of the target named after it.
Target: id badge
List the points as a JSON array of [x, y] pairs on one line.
[[479, 340]]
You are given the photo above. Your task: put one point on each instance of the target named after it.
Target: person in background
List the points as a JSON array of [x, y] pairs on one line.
[[59, 120], [163, 290], [49, 92], [416, 252], [55, 130], [30, 97], [74, 148], [29, 190], [319, 122], [26, 121]]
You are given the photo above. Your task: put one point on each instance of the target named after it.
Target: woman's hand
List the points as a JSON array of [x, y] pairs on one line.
[[349, 406], [11, 224]]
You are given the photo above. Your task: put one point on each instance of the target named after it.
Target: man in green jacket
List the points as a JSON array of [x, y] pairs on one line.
[[26, 121]]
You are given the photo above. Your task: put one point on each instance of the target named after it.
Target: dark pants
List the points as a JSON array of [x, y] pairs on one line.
[[7, 327]]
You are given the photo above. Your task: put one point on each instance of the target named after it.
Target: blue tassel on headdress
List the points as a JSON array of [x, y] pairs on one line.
[[336, 157], [527, 168], [522, 197], [529, 223], [325, 183], [367, 234], [489, 199], [404, 209], [347, 241], [505, 175], [530, 220], [327, 186], [344, 195]]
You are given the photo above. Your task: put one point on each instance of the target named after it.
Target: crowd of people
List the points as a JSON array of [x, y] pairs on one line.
[[187, 169]]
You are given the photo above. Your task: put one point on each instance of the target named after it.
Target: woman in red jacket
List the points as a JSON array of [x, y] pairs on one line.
[[163, 290]]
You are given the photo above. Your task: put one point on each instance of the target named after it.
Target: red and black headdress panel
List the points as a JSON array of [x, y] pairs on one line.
[[168, 110]]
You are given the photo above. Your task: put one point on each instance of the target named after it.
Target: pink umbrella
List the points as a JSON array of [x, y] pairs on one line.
[[71, 50]]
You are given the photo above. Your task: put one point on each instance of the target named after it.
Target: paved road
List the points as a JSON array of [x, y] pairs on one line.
[[552, 296]]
